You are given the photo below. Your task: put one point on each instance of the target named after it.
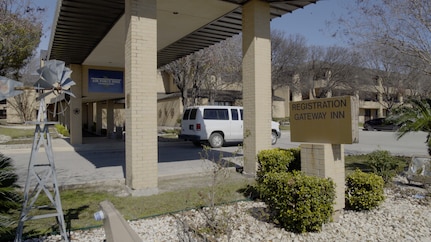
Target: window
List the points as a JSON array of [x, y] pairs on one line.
[[216, 114], [242, 116], [193, 114], [189, 114], [186, 114], [234, 114]]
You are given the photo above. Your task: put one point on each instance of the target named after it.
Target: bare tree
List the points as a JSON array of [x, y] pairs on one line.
[[387, 75], [224, 62], [209, 69], [24, 105], [402, 25], [188, 73], [331, 68], [287, 55], [178, 71]]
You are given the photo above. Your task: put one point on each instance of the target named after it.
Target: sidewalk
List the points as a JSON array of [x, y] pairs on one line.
[[100, 161]]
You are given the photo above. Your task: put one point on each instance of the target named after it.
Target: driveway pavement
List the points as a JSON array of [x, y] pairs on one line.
[[102, 160]]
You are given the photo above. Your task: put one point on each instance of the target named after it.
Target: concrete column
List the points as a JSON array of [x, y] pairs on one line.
[[75, 110], [110, 118], [90, 116], [256, 71], [84, 115], [141, 95], [326, 161], [99, 109], [284, 92]]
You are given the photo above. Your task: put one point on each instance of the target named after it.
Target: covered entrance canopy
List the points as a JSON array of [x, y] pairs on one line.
[[138, 36], [92, 32]]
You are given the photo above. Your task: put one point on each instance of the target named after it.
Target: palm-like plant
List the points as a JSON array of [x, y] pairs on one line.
[[414, 116], [9, 198]]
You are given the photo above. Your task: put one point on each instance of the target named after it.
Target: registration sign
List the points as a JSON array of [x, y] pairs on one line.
[[327, 120]]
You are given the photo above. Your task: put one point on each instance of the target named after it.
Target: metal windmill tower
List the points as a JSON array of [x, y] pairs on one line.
[[54, 78]]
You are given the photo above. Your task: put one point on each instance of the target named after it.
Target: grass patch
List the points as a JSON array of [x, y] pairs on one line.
[[79, 205], [353, 162], [23, 135], [17, 133]]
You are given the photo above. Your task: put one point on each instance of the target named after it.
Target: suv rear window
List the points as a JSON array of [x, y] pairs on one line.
[[216, 114], [186, 114], [193, 113], [190, 114]]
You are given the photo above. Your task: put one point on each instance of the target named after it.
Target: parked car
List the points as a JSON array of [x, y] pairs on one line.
[[380, 124], [216, 125]]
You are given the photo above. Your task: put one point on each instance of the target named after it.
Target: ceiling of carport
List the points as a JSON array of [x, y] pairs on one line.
[[93, 32]]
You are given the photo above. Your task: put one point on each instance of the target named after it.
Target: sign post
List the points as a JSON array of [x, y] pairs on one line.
[[324, 125]]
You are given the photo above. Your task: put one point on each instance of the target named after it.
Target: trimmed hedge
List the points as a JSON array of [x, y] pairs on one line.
[[62, 130], [364, 191], [300, 203], [273, 160]]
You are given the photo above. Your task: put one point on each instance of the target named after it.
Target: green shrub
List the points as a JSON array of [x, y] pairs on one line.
[[9, 199], [300, 203], [273, 160], [384, 164], [364, 191], [62, 130]]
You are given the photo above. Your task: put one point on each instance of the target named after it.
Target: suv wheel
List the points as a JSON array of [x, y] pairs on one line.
[[216, 140], [273, 138]]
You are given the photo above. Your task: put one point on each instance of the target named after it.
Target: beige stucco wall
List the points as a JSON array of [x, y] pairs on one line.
[[11, 112], [278, 110], [169, 111]]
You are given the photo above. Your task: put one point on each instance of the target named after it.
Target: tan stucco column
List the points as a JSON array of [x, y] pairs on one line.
[[75, 111], [141, 95], [110, 118], [90, 116], [284, 92], [326, 161], [99, 121], [256, 72]]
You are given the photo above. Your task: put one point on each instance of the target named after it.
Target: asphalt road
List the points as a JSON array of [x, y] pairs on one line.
[[104, 160], [412, 144]]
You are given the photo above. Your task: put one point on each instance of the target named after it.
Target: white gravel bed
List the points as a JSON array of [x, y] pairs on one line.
[[402, 217]]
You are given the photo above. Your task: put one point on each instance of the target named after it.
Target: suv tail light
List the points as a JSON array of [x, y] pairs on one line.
[[198, 127]]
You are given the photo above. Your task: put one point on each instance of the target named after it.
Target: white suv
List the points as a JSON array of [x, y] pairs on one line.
[[217, 125]]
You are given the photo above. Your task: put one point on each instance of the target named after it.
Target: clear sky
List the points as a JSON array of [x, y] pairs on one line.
[[50, 7], [311, 21]]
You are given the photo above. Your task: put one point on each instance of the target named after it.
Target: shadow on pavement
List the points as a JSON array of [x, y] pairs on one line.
[[103, 152]]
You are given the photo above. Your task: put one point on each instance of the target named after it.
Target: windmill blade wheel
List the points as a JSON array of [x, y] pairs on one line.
[[61, 105]]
